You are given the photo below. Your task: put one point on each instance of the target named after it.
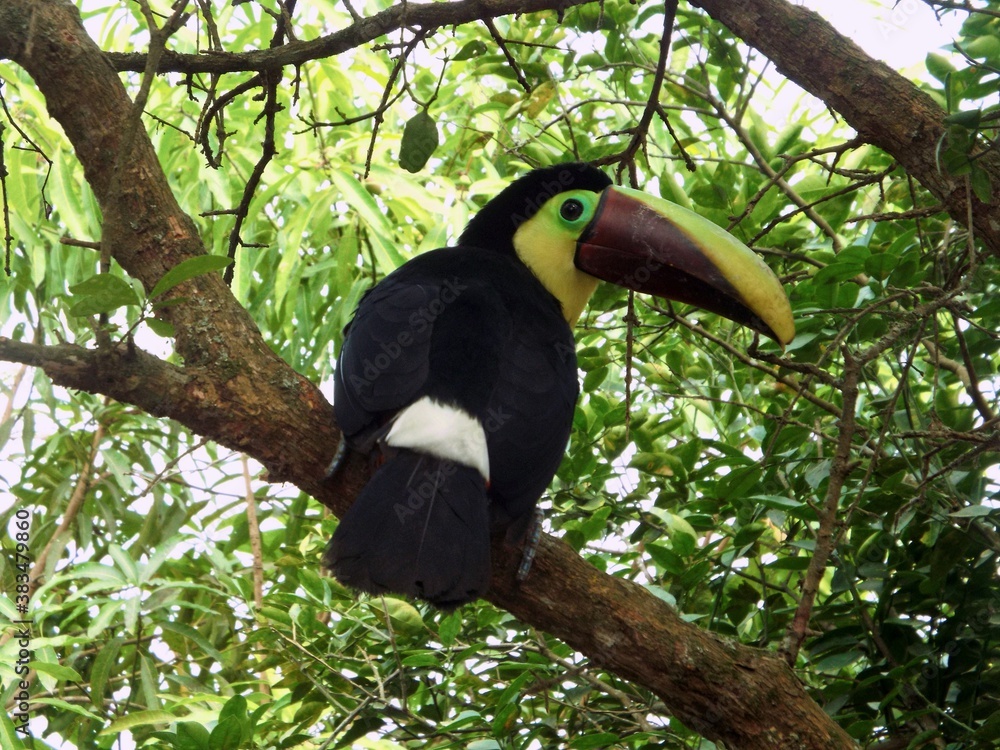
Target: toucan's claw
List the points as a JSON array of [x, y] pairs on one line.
[[534, 533], [338, 459]]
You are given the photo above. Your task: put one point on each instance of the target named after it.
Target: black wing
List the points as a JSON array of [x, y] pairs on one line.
[[476, 330], [434, 327]]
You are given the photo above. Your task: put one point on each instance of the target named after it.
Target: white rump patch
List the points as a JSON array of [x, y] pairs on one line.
[[443, 431]]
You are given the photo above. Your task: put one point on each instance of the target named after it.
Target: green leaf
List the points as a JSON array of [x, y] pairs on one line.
[[837, 661], [107, 613], [880, 265], [967, 119], [236, 706], [188, 269], [372, 216], [192, 736], [149, 681], [787, 138], [990, 730], [73, 708], [420, 139], [102, 293], [98, 572], [425, 659], [659, 464], [186, 631], [973, 511], [939, 65], [849, 263], [159, 556], [403, 616], [666, 558], [9, 734], [161, 327], [592, 741], [776, 501], [539, 99], [60, 672], [475, 48], [593, 379], [449, 628], [986, 46], [124, 563], [229, 733], [464, 719], [104, 662], [789, 563], [313, 584], [505, 717], [982, 186]]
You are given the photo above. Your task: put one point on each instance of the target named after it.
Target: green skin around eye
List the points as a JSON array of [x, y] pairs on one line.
[[546, 243], [586, 202]]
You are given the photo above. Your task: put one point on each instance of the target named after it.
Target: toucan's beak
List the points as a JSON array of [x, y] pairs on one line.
[[654, 246]]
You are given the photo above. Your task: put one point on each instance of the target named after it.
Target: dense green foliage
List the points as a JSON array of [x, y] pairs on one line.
[[695, 469]]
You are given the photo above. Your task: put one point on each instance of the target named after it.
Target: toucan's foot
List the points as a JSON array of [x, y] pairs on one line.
[[338, 460], [531, 537]]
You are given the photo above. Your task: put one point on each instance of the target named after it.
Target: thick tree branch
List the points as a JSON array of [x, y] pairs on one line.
[[234, 411], [808, 50], [742, 696]]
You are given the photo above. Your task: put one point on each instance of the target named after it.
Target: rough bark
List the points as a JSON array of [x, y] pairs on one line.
[[233, 389], [886, 109]]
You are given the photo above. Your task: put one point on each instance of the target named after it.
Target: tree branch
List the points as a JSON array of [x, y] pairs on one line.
[[808, 50], [826, 537], [79, 494], [423, 15], [230, 411]]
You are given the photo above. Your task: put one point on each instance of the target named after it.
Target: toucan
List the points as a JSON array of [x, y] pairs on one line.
[[458, 377]]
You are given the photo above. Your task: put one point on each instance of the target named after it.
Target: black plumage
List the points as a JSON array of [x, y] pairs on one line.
[[469, 327]]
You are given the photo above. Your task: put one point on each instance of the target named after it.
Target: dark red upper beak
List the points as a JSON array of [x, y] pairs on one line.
[[657, 247]]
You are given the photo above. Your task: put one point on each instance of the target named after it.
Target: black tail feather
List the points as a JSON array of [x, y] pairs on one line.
[[419, 527]]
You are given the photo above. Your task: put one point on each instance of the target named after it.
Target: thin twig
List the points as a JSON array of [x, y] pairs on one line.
[[83, 483], [638, 712], [914, 213], [506, 53], [386, 93], [268, 151], [253, 531], [841, 467], [963, 372], [8, 238], [626, 159], [34, 147]]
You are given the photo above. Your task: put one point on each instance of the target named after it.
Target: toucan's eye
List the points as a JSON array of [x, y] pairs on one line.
[[571, 209]]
